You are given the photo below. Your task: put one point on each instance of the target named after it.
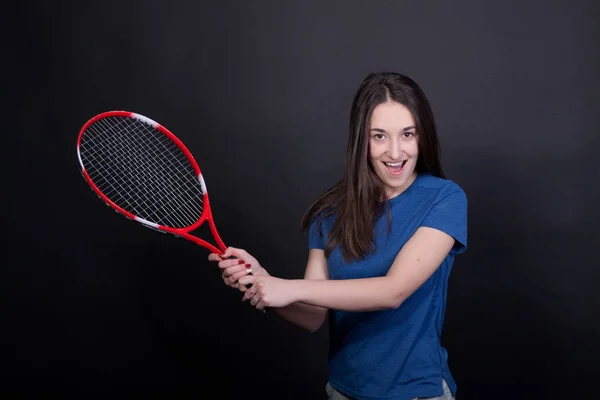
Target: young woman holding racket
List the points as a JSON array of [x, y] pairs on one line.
[[381, 246]]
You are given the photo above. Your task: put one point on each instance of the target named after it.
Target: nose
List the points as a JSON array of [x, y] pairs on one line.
[[395, 148]]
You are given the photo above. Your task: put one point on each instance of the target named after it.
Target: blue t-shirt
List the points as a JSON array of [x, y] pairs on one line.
[[397, 354]]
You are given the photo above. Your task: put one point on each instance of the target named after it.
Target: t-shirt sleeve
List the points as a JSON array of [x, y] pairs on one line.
[[315, 239], [449, 215]]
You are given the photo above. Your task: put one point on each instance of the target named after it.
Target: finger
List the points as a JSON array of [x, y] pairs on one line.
[[235, 252], [234, 278], [247, 280], [230, 252], [231, 278], [228, 272], [255, 298], [261, 305], [214, 257], [250, 293], [230, 263], [226, 253]]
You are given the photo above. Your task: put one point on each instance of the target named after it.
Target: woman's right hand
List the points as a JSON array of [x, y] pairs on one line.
[[234, 268]]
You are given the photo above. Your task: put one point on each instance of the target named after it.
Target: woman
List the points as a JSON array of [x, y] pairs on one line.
[[381, 246]]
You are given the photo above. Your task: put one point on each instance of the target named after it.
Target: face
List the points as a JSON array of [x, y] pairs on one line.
[[393, 146]]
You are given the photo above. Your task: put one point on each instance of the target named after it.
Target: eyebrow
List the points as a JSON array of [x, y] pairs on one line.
[[408, 128]]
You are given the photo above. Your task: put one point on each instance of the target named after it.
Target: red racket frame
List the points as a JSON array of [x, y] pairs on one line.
[[206, 215]]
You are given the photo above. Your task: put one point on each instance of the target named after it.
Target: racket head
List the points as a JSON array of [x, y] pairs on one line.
[[143, 171]]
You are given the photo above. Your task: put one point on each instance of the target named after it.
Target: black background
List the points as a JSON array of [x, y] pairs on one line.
[[260, 92]]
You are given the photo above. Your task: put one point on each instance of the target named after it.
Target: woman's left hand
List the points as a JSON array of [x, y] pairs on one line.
[[267, 291]]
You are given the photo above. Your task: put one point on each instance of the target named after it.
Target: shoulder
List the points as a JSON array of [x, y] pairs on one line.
[[445, 209], [321, 223], [438, 188], [318, 230], [433, 197]]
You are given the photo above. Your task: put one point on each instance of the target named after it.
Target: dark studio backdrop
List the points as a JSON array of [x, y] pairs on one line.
[[260, 92]]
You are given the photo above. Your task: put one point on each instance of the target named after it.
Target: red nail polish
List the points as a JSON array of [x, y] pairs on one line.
[[241, 262], [248, 266]]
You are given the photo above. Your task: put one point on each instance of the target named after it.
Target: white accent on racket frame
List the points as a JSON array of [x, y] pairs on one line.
[[202, 184], [79, 156], [147, 223], [145, 119]]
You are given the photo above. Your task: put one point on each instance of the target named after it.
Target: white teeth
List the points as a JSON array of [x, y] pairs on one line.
[[396, 164]]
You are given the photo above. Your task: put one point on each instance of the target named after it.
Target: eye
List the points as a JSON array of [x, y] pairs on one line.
[[409, 134], [378, 136]]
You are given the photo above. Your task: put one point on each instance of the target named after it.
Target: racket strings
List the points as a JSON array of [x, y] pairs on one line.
[[161, 168], [142, 171], [144, 193], [143, 185], [125, 164], [173, 149]]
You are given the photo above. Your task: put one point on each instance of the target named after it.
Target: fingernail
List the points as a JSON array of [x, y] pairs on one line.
[[248, 266], [241, 262]]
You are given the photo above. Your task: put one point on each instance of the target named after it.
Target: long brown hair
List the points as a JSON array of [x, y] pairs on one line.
[[356, 200]]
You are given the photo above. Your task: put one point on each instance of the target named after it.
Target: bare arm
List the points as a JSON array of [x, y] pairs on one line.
[[307, 316], [414, 264]]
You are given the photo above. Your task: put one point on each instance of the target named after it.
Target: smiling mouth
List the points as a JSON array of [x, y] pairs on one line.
[[395, 168]]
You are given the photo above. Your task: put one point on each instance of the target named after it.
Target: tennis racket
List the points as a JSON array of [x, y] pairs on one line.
[[143, 171]]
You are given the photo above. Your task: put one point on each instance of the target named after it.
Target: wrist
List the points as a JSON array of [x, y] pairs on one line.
[[296, 290]]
